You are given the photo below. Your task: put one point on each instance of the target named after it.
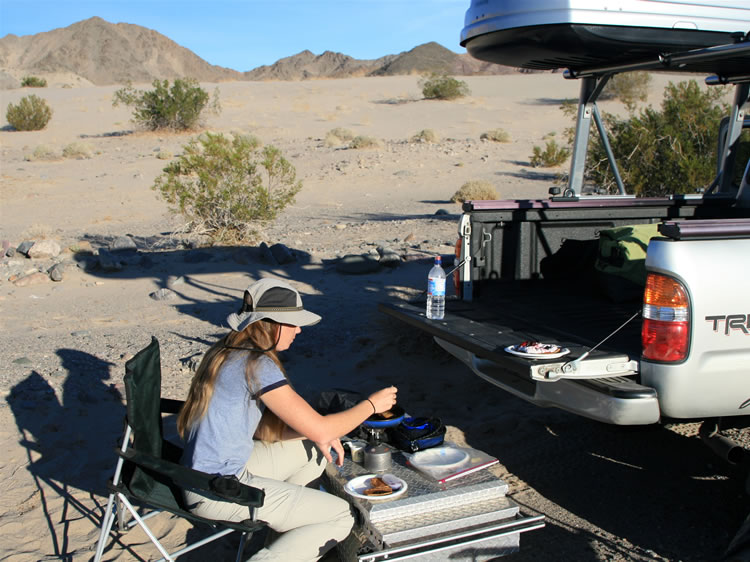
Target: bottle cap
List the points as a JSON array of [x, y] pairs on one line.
[[438, 259]]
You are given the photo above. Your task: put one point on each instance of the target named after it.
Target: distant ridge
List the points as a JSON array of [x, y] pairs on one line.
[[104, 53]]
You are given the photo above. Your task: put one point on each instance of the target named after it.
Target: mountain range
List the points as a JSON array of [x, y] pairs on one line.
[[104, 53]]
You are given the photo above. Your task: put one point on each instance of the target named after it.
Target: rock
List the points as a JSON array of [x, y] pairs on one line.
[[122, 243], [24, 247], [10, 252], [83, 247], [44, 249], [56, 272], [173, 281], [22, 361], [266, 254], [409, 237], [108, 262], [340, 226], [358, 264], [81, 334], [163, 294], [35, 278], [282, 254], [442, 213], [390, 259]]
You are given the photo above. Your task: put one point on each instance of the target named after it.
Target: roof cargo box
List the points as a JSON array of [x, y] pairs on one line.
[[579, 34]]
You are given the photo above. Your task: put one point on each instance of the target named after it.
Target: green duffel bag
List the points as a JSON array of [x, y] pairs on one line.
[[621, 261]]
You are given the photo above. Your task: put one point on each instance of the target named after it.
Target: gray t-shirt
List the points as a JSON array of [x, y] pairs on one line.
[[221, 442]]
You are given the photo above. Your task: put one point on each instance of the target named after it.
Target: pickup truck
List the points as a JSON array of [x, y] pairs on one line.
[[680, 351]]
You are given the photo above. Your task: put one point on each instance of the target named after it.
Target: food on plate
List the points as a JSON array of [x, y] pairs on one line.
[[378, 488], [537, 348]]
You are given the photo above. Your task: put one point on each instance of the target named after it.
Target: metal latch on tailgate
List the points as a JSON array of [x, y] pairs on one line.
[[589, 369]]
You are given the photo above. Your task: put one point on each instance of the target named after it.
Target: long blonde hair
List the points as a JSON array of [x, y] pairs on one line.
[[257, 339]]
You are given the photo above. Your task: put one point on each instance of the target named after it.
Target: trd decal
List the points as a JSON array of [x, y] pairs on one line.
[[730, 322]]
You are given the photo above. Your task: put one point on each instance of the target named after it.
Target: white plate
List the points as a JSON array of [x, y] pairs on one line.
[[446, 458], [563, 351], [356, 487]]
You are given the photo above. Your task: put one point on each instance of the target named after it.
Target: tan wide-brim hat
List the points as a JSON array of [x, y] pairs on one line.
[[271, 299]]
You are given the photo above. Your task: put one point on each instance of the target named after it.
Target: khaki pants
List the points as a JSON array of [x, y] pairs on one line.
[[311, 521]]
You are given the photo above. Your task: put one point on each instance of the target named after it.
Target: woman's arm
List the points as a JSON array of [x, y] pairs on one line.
[[293, 410]]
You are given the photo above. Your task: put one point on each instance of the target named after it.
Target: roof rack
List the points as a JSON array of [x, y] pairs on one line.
[[730, 64]]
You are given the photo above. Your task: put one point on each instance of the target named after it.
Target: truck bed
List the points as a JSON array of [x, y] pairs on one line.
[[509, 312]]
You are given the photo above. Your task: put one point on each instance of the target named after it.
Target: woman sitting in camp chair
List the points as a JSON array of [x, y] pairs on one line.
[[243, 418]]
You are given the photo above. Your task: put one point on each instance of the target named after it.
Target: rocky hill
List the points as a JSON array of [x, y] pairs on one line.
[[98, 52], [107, 53]]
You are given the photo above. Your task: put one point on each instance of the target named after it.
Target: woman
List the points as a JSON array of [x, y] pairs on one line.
[[243, 418]]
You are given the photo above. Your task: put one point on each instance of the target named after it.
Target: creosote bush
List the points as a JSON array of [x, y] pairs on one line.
[[42, 152], [227, 188], [628, 87], [443, 87], [425, 135], [33, 82], [496, 135], [178, 107], [661, 152], [475, 190], [552, 155], [30, 114]]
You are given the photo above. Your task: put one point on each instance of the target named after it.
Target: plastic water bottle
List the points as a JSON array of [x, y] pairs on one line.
[[436, 291]]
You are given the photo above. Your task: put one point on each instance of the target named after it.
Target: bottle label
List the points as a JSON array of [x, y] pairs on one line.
[[436, 286]]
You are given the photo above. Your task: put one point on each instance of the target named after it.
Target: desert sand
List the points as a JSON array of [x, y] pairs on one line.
[[607, 493]]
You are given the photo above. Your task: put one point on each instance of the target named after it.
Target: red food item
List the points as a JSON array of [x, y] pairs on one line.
[[537, 348]]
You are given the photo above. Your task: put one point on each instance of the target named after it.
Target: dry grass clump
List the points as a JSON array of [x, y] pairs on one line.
[[78, 150], [496, 135], [42, 152], [475, 190], [425, 135], [164, 155], [362, 141], [338, 137]]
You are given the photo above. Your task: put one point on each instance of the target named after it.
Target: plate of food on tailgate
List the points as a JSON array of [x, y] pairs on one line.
[[537, 350]]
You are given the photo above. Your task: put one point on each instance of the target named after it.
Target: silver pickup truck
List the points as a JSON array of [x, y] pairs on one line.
[[682, 351]]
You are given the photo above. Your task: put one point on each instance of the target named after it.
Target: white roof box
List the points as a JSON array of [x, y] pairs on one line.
[[579, 34]]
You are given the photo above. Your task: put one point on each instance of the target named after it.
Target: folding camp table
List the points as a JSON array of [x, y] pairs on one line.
[[466, 518]]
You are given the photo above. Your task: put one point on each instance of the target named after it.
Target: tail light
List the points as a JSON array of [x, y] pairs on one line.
[[665, 333]]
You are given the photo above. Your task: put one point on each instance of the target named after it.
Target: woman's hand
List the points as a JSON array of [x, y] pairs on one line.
[[383, 400], [334, 444]]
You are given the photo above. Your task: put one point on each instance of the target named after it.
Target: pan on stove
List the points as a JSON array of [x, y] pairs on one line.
[[378, 421]]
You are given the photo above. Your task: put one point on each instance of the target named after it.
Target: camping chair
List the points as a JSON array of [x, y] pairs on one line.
[[148, 472]]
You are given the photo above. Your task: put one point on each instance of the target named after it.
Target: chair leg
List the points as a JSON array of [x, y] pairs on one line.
[[241, 549], [145, 528], [107, 521]]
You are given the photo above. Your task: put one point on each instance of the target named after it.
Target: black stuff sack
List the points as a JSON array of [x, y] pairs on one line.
[[416, 434]]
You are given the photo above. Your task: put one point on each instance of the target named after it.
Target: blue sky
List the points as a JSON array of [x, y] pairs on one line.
[[245, 34]]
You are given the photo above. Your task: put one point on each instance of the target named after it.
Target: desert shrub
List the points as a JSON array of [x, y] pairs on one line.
[[42, 152], [362, 141], [164, 155], [552, 155], [338, 136], [475, 190], [442, 87], [425, 135], [660, 152], [33, 82], [30, 114], [178, 107], [496, 135], [79, 150], [628, 87], [227, 187]]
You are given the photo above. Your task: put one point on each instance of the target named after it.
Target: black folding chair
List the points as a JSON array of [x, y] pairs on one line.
[[148, 473]]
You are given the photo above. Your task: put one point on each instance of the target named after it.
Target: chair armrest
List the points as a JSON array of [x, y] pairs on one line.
[[224, 487], [170, 406]]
